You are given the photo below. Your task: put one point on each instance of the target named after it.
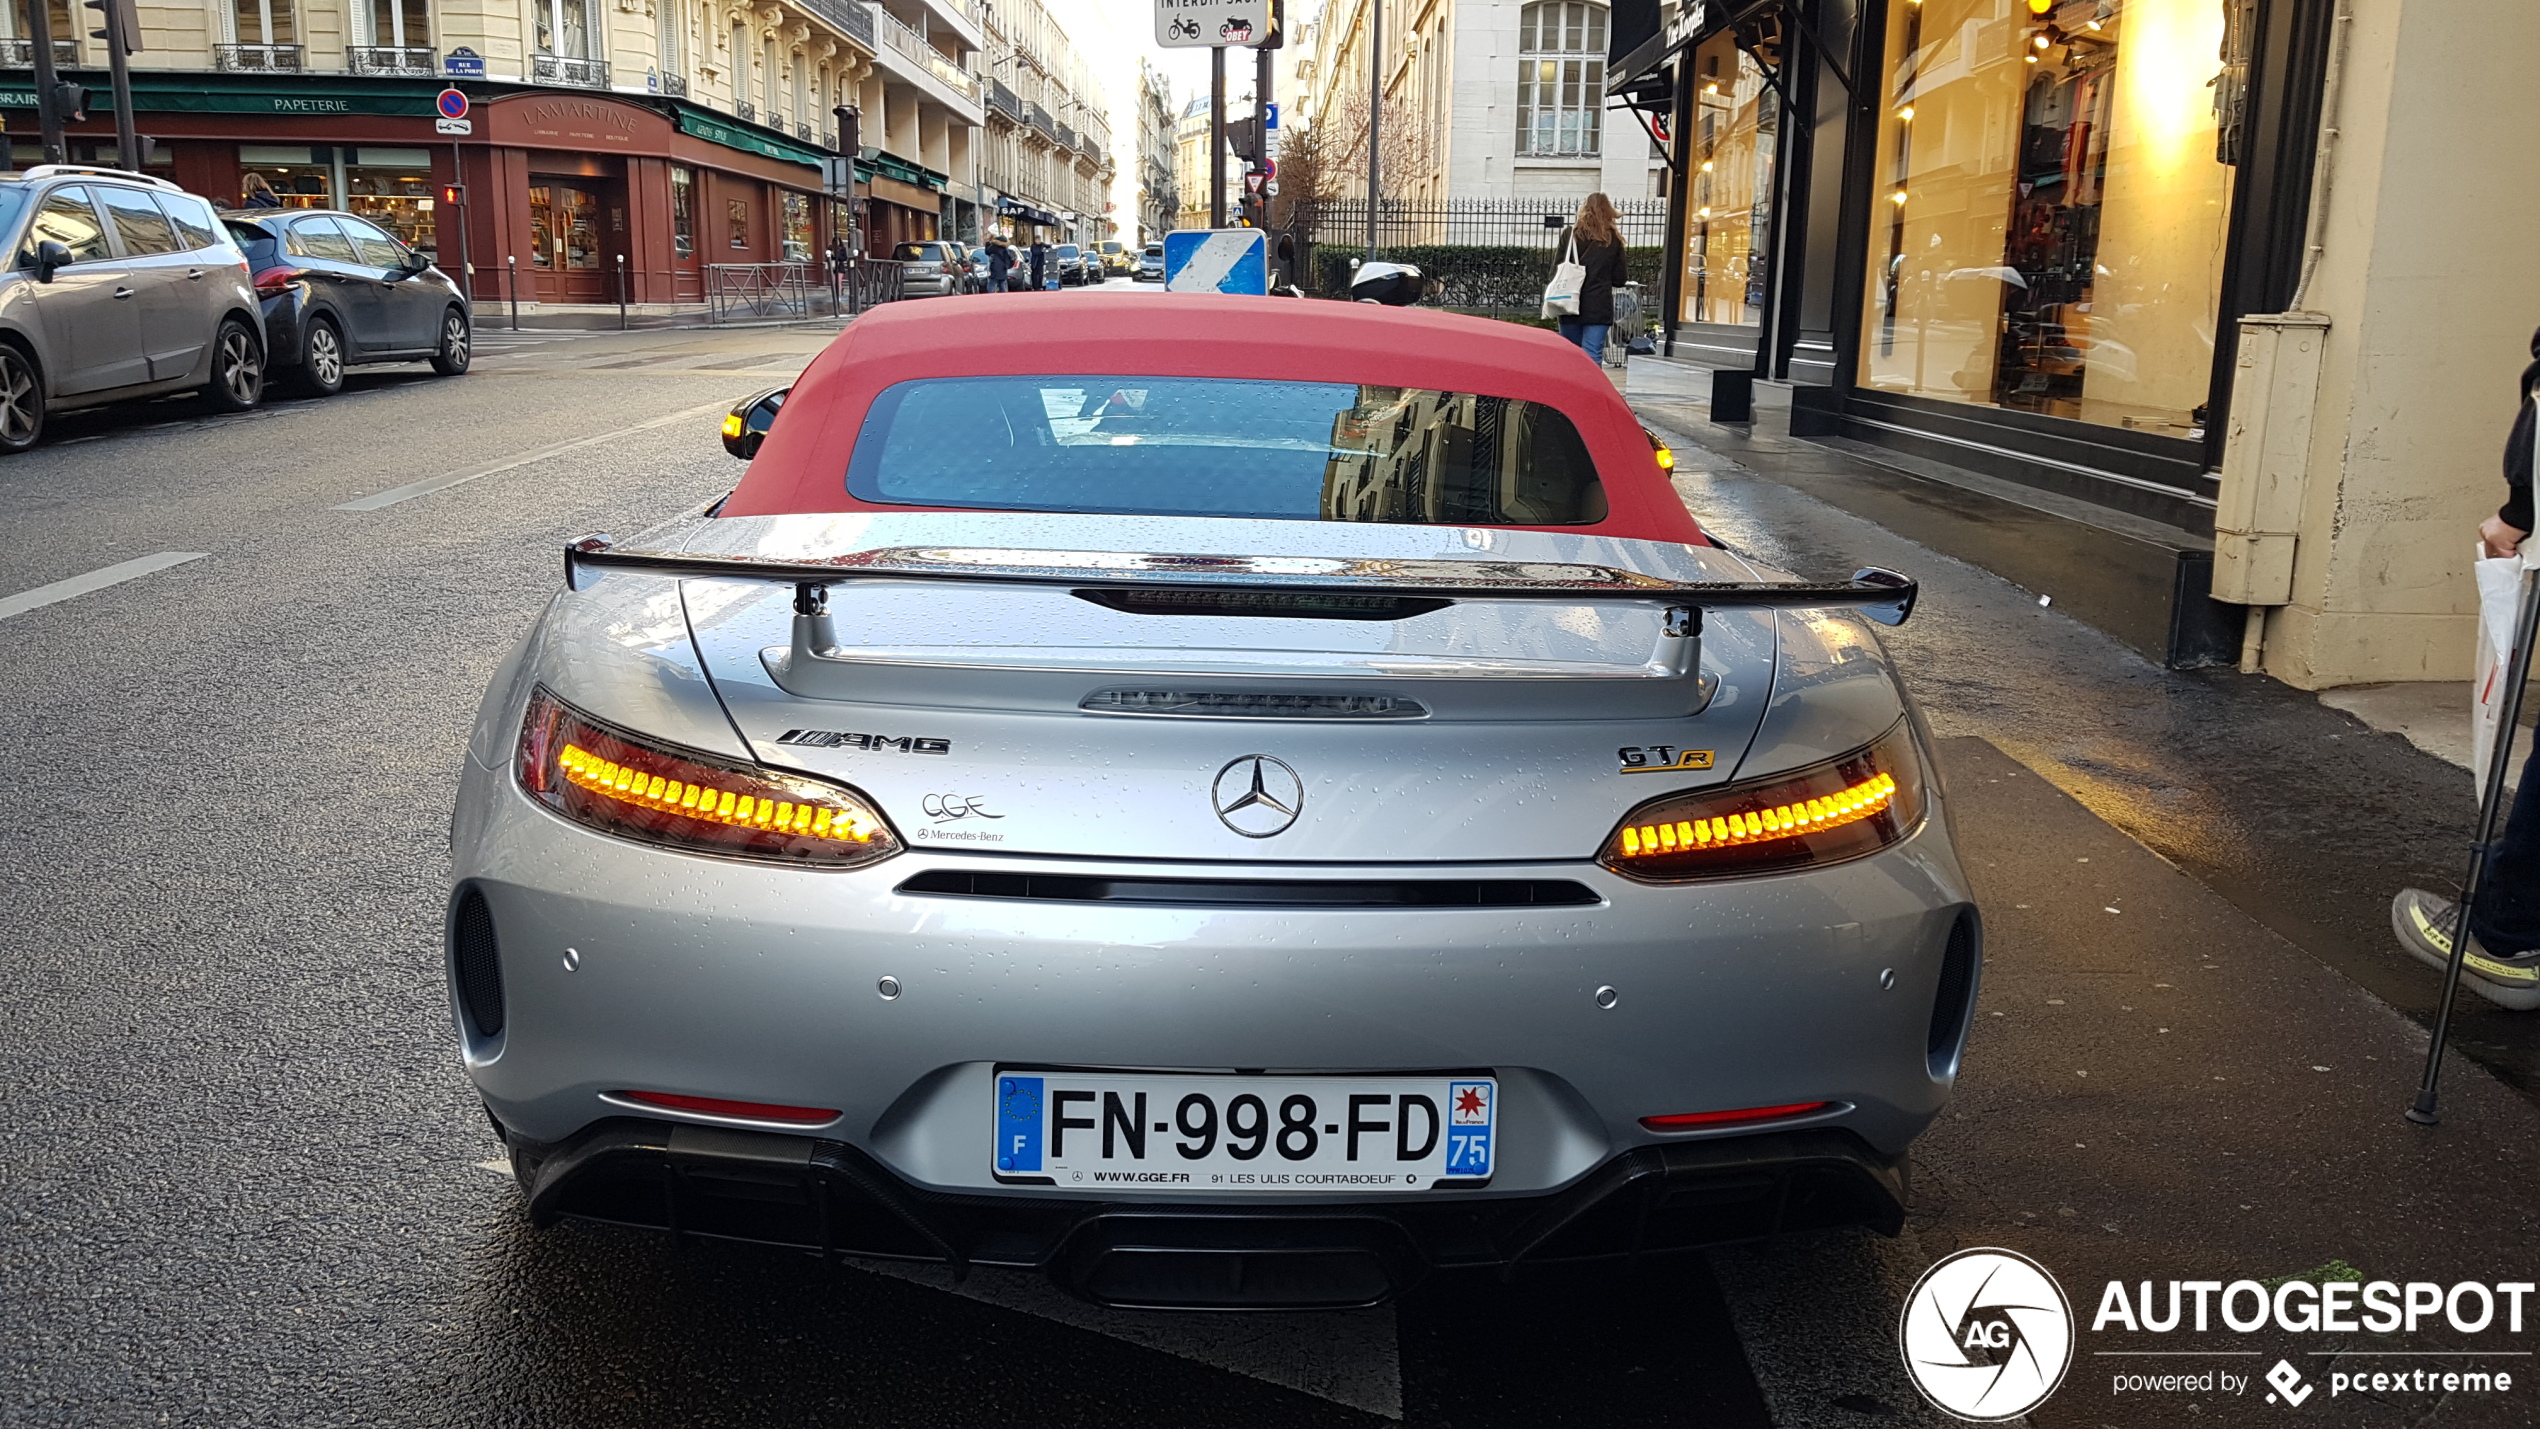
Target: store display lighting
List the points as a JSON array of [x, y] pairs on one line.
[[1906, 114], [1897, 197]]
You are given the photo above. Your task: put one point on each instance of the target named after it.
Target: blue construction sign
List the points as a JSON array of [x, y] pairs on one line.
[[1217, 260]]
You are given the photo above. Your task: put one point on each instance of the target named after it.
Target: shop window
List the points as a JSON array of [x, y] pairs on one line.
[[564, 28], [564, 228], [393, 188], [262, 22], [1560, 77], [797, 226], [302, 177], [1728, 213], [401, 22], [738, 210], [2052, 204], [683, 213]]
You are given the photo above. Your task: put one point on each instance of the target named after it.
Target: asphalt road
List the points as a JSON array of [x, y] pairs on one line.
[[243, 1180]]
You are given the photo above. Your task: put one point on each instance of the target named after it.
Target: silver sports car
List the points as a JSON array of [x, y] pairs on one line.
[[1227, 824]]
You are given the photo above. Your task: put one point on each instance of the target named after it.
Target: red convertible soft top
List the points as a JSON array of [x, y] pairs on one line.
[[802, 466]]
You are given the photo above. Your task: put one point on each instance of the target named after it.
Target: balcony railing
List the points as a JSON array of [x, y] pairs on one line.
[[1005, 101], [852, 18], [913, 45], [257, 59], [20, 54], [1066, 136], [1041, 120], [802, 131], [746, 110], [675, 85], [413, 60], [561, 69]]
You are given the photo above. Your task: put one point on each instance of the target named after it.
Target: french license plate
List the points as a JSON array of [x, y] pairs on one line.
[[1200, 1132]]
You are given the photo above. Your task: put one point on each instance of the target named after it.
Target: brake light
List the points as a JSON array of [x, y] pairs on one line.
[[1826, 813], [1691, 1120], [607, 779], [744, 1111], [273, 281]]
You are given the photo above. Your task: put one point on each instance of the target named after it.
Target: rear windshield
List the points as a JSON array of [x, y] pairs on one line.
[[1208, 446], [1067, 250], [921, 251]]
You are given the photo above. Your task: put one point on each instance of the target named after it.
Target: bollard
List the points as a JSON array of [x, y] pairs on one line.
[[621, 292], [511, 264]]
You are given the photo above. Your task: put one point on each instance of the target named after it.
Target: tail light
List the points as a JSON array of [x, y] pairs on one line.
[[619, 783], [1825, 813], [273, 282], [742, 1111], [1696, 1120]]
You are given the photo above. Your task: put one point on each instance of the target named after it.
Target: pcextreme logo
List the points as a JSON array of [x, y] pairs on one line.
[[1987, 1335]]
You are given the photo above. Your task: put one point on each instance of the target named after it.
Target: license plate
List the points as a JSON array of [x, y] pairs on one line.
[[1199, 1132]]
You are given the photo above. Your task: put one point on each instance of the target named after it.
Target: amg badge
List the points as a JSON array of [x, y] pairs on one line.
[[833, 739], [1659, 758]]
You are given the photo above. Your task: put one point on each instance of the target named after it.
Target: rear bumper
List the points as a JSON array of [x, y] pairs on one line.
[[830, 1198]]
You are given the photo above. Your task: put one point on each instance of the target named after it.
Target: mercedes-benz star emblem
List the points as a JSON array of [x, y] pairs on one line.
[[1258, 796]]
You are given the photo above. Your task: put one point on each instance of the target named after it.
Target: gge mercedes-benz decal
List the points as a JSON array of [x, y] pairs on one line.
[[1257, 796]]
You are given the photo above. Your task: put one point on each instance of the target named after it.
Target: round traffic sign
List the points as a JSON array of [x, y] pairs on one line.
[[453, 104]]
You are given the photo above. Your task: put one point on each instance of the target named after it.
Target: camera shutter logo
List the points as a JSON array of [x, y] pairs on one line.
[[1986, 1335]]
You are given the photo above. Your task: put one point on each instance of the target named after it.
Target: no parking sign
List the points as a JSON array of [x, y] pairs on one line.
[[453, 107]]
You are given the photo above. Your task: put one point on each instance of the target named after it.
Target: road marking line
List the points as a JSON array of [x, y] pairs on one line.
[[427, 487], [95, 580]]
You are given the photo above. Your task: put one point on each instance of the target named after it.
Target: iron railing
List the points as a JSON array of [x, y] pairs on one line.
[[865, 283], [913, 45], [20, 54], [1475, 222], [675, 85], [257, 59], [745, 109], [1005, 101], [852, 18], [414, 61], [561, 69], [762, 290], [802, 131]]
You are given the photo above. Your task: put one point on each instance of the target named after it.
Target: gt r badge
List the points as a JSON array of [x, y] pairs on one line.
[[1659, 758], [834, 739], [1257, 796]]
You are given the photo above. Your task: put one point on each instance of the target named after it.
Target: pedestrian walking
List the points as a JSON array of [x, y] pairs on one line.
[[2503, 961], [1597, 240], [1000, 264], [254, 192], [1040, 259]]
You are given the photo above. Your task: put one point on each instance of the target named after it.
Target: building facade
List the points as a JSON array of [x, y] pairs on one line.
[[1483, 99], [1159, 198], [1047, 164], [2158, 275], [610, 150]]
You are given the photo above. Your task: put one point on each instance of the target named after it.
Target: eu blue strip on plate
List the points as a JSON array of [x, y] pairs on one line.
[[1018, 1124]]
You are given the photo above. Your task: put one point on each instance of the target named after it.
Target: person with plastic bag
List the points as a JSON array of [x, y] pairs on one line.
[[2503, 964], [1593, 245]]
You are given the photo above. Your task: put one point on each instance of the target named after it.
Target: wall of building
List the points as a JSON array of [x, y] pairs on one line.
[[2428, 279]]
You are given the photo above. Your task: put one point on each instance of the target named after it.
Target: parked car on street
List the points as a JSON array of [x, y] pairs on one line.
[[1233, 830], [122, 286], [1116, 258], [1072, 268], [1151, 264], [936, 268], [339, 291]]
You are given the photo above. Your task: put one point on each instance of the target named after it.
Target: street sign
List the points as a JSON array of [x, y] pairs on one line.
[[1253, 181], [1198, 24], [453, 126], [463, 63], [452, 104], [1269, 116], [1220, 260]]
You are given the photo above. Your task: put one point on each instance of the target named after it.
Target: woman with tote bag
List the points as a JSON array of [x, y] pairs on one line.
[[1583, 282]]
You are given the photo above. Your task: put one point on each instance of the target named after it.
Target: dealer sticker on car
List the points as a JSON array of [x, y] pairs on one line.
[[1223, 1132]]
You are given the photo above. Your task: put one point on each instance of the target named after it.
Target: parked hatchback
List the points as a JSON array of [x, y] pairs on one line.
[[122, 286], [933, 269], [338, 290]]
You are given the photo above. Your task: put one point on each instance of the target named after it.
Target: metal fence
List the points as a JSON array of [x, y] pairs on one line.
[[868, 282], [758, 290], [1481, 223]]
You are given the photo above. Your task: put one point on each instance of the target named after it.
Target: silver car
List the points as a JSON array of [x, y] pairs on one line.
[[123, 286], [1242, 838], [936, 268]]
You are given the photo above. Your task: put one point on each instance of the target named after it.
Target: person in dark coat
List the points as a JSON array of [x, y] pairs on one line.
[[254, 192], [2504, 924], [1600, 248], [1000, 265], [1040, 257]]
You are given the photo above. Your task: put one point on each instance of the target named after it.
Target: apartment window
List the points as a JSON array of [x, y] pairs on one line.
[[400, 23], [564, 28], [13, 21], [1560, 77], [683, 212], [263, 22], [674, 33]]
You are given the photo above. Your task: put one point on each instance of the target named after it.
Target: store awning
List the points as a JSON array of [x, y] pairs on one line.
[[192, 93], [748, 138], [892, 166]]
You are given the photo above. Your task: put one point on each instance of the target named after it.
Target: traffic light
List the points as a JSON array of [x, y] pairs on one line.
[[454, 195], [1244, 137], [122, 21], [70, 101]]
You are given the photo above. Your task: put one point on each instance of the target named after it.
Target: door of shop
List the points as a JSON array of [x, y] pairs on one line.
[[565, 242]]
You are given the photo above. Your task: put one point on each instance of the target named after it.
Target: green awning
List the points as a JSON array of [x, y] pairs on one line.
[[191, 93], [892, 166], [747, 138]]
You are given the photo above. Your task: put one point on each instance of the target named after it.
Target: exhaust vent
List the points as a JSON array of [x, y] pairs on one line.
[[1205, 704], [1951, 1006], [478, 962]]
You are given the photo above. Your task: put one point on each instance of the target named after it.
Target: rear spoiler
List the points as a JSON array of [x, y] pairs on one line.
[[1882, 595]]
